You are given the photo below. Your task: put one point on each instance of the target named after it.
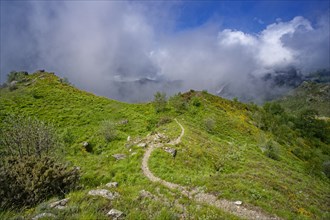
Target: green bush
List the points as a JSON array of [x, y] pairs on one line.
[[326, 168], [108, 130], [22, 136], [195, 102], [16, 76], [164, 120], [178, 103], [28, 180], [271, 150], [209, 124], [12, 87]]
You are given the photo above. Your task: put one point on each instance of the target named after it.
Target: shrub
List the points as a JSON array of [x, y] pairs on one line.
[[271, 150], [16, 76], [108, 130], [326, 168], [28, 180], [29, 172], [209, 124], [164, 120], [160, 101], [12, 87], [178, 103], [27, 136], [196, 102]]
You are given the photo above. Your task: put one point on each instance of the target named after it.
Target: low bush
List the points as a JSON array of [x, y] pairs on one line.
[[209, 124], [271, 150], [164, 120], [16, 76], [28, 180], [108, 131]]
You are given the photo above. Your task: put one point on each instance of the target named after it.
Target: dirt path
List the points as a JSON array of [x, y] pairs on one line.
[[226, 205]]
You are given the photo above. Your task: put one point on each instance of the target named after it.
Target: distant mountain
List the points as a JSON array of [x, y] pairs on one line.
[[309, 95], [270, 86]]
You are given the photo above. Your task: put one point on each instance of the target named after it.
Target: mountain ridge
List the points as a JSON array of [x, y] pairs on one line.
[[226, 151]]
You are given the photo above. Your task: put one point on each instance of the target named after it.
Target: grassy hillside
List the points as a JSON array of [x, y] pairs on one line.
[[309, 95], [224, 152]]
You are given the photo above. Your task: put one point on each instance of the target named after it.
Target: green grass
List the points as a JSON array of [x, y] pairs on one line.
[[227, 160]]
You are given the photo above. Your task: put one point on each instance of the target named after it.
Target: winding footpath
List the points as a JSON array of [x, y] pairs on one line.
[[206, 198]]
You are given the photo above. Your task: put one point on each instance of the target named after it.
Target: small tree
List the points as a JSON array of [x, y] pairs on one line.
[[179, 103], [160, 101]]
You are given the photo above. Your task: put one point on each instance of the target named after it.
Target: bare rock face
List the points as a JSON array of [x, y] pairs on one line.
[[61, 204], [103, 193], [115, 214], [119, 156]]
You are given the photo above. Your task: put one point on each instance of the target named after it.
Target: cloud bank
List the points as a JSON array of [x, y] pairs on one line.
[[127, 50]]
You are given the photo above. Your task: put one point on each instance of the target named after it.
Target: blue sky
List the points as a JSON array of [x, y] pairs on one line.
[[202, 44], [250, 16]]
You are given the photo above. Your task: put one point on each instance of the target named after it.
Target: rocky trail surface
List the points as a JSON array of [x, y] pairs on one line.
[[233, 207]]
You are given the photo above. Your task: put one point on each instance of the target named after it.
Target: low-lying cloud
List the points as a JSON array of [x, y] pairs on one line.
[[127, 50]]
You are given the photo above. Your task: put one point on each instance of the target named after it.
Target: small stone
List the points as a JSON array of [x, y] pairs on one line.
[[146, 194], [119, 156], [103, 193], [170, 151], [142, 145], [61, 204], [112, 184], [115, 214], [238, 203], [43, 215], [85, 144], [128, 138]]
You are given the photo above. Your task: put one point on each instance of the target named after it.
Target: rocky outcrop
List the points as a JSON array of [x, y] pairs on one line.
[[170, 151], [115, 214], [112, 184], [103, 193], [61, 204]]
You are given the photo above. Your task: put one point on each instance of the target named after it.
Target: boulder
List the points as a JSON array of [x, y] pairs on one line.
[[103, 193], [170, 151], [44, 215], [61, 204], [119, 156], [13, 83], [115, 214], [142, 145], [112, 184]]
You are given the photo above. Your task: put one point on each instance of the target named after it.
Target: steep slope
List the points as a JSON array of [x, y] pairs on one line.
[[309, 95], [222, 153]]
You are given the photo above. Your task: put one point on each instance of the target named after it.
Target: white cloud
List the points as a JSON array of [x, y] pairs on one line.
[[93, 43]]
